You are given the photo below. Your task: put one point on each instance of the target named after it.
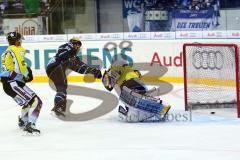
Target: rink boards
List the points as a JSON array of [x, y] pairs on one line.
[[157, 58]]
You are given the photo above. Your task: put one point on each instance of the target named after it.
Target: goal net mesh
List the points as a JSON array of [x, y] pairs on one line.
[[210, 76]]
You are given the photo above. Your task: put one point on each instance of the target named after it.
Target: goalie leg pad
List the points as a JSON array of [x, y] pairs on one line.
[[145, 103], [134, 115], [142, 108]]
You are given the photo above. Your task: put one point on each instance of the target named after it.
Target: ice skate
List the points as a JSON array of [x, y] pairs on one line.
[[21, 123], [30, 129], [58, 111]]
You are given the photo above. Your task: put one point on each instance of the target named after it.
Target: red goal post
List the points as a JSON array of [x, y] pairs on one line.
[[211, 76]]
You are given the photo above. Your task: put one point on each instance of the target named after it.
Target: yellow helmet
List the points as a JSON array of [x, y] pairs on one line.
[[76, 41]]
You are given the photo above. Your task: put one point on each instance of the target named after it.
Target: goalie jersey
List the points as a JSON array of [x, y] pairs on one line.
[[119, 75]]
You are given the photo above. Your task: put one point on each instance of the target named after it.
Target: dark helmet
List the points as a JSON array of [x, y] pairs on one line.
[[12, 37], [76, 41]]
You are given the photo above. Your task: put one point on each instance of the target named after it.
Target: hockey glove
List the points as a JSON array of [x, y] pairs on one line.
[[96, 72], [29, 77]]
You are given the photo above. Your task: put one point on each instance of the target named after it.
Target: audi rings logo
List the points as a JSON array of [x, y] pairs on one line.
[[208, 60]]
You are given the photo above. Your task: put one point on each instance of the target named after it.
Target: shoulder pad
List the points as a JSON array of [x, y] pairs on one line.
[[70, 44], [6, 52], [66, 46]]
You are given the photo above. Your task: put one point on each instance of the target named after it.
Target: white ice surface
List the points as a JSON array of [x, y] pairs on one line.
[[105, 138]]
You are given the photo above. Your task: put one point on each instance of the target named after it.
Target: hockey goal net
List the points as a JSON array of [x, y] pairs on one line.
[[211, 76]]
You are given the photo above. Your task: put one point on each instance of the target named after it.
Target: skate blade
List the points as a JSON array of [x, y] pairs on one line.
[[34, 134]]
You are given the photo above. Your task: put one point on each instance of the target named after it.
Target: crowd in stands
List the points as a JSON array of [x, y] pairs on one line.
[[185, 4], [9, 8]]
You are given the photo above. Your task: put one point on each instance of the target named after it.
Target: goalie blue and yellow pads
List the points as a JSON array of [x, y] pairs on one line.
[[148, 104]]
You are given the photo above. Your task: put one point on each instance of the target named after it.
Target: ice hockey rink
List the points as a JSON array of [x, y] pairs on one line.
[[204, 136]]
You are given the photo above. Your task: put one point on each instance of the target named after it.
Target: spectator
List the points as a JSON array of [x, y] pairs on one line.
[[3, 5], [195, 5]]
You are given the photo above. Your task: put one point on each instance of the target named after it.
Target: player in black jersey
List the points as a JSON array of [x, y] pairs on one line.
[[66, 58]]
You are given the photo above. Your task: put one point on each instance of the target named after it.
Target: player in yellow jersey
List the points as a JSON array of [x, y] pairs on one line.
[[14, 75], [136, 103]]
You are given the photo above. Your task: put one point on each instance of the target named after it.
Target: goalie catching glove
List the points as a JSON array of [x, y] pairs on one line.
[[110, 78]]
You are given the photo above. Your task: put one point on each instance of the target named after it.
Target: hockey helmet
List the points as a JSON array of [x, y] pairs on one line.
[[12, 37], [76, 41]]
